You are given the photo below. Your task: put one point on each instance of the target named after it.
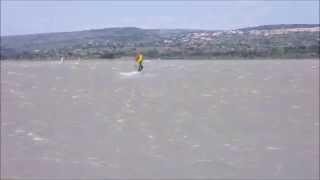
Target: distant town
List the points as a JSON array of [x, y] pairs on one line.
[[265, 42]]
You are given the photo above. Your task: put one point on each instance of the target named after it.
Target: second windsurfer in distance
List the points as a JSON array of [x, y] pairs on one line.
[[139, 60]]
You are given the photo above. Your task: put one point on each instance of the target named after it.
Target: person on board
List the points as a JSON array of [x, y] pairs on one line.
[[139, 60]]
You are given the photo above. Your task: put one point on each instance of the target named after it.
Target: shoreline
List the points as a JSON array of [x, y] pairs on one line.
[[177, 59]]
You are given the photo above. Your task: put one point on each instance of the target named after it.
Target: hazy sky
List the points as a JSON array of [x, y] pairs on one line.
[[25, 17]]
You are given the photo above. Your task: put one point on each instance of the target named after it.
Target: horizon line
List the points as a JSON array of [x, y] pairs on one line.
[[136, 27]]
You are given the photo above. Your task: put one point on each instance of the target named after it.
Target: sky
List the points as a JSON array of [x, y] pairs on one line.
[[29, 17]]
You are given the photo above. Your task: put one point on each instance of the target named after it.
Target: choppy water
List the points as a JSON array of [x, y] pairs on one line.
[[177, 119]]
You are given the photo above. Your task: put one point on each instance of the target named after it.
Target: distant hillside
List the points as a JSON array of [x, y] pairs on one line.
[[269, 41], [280, 26]]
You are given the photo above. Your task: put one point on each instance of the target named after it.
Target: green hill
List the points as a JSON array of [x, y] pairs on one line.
[[269, 41]]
